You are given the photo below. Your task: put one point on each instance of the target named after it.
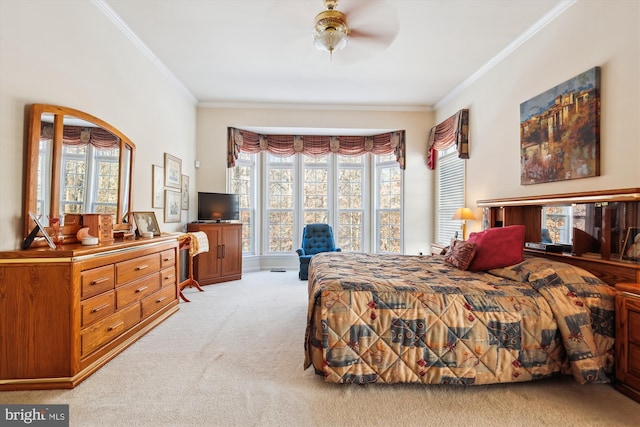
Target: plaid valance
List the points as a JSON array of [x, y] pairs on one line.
[[454, 130], [240, 140], [80, 135]]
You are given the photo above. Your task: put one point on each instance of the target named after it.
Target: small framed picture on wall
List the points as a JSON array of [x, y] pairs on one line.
[[185, 192], [172, 206], [172, 171], [158, 187]]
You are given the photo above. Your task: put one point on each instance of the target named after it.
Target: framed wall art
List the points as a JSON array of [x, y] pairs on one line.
[[185, 192], [560, 131], [146, 222], [172, 171], [172, 206], [157, 187]]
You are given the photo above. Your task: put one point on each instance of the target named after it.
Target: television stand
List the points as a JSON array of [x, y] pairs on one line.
[[223, 262]]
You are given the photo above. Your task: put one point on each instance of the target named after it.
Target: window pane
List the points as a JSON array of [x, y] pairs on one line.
[[315, 188], [351, 203], [280, 204], [389, 199], [242, 184], [280, 231], [350, 228], [280, 188], [73, 190], [389, 229]]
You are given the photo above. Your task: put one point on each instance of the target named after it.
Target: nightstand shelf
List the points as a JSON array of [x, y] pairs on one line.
[[628, 339]]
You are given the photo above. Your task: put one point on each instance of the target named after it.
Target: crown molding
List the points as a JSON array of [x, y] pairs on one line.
[[556, 11], [332, 107], [128, 32]]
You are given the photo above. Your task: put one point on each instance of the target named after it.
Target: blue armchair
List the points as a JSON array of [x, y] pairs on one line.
[[316, 238]]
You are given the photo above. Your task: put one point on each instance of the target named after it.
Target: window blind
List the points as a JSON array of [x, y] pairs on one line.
[[450, 195]]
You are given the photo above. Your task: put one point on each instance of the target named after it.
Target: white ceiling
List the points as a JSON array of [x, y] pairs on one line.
[[260, 51]]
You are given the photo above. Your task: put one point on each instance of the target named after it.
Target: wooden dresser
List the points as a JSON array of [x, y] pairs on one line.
[[67, 312]]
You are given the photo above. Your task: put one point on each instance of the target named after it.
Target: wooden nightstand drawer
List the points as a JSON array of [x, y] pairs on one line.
[[97, 280], [628, 339], [137, 290], [155, 302], [634, 360], [136, 268], [107, 329], [98, 307], [168, 258], [168, 277]]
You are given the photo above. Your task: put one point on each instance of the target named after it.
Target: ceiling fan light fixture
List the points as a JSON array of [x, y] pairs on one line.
[[331, 31]]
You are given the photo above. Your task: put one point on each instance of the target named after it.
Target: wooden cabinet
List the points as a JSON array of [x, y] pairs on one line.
[[67, 312], [628, 339], [223, 262]]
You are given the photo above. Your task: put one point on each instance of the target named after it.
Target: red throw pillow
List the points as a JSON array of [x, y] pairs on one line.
[[460, 254], [497, 247]]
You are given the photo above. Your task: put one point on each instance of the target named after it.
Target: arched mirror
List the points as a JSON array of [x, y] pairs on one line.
[[76, 163]]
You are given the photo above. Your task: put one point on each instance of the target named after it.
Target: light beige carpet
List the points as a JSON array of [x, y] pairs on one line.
[[234, 355]]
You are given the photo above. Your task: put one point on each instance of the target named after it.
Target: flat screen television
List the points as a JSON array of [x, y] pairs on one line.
[[218, 207]]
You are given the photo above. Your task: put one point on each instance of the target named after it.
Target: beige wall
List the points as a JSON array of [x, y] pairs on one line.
[[212, 149], [588, 34], [84, 62], [70, 54]]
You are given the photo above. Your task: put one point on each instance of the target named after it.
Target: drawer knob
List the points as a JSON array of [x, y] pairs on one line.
[[141, 288], [116, 326], [141, 267], [100, 307], [98, 281], [159, 300]]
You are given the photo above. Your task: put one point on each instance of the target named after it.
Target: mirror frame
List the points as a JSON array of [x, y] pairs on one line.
[[33, 151]]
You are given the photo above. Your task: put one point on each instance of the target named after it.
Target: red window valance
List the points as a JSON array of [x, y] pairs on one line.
[[79, 135], [454, 130], [240, 140]]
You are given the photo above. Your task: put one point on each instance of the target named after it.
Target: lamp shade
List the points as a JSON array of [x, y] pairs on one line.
[[464, 213]]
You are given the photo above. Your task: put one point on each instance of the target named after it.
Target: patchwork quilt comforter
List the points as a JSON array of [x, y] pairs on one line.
[[410, 319]]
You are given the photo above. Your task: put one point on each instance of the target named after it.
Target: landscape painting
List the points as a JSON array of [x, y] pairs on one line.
[[560, 131]]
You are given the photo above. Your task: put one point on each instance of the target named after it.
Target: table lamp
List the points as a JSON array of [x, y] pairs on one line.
[[464, 214]]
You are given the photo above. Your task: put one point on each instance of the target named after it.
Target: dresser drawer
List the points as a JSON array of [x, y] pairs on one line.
[[168, 276], [168, 258], [98, 307], [136, 268], [137, 290], [155, 302], [97, 280], [107, 329]]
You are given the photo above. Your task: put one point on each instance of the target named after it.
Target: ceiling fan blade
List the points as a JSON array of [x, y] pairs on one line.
[[380, 38], [354, 8]]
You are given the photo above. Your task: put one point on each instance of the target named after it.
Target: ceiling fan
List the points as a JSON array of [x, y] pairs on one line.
[[372, 22]]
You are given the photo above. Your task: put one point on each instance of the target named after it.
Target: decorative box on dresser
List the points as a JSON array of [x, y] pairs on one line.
[[66, 312], [628, 339], [223, 262]]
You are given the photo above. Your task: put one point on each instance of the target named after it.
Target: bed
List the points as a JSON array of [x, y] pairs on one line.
[[421, 319]]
